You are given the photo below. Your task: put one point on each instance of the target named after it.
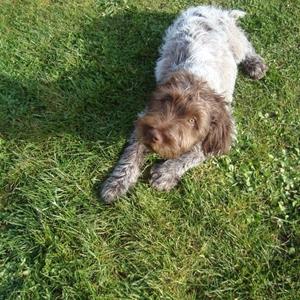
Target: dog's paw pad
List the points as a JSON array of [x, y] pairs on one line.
[[255, 67], [163, 180]]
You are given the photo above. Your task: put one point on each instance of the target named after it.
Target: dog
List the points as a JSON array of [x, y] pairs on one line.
[[189, 116]]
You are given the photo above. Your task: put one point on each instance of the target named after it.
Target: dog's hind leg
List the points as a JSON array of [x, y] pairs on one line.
[[166, 175], [253, 64], [244, 53], [126, 172]]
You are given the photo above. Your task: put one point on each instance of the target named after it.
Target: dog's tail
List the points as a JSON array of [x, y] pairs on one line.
[[236, 14]]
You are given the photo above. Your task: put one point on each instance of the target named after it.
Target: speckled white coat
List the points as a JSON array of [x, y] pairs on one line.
[[205, 41]]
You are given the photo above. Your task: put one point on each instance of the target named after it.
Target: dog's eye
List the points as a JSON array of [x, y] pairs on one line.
[[192, 121]]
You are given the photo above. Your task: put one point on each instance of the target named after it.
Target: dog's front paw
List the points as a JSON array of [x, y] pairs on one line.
[[162, 178], [113, 188]]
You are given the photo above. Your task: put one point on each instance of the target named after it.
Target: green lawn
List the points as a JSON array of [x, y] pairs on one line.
[[74, 75]]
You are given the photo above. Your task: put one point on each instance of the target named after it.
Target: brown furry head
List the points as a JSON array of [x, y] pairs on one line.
[[182, 112]]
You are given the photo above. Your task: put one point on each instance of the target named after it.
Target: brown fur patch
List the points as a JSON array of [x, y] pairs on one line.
[[184, 111], [219, 137]]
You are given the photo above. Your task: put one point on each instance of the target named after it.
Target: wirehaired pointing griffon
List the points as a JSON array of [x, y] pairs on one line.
[[189, 115]]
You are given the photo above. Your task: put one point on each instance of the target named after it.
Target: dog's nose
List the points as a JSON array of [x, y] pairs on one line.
[[155, 136]]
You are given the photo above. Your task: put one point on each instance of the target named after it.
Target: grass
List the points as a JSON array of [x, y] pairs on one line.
[[74, 74]]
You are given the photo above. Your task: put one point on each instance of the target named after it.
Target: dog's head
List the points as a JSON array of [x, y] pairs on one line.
[[184, 111]]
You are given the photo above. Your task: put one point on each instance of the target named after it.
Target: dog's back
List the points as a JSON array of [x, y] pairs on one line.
[[207, 42]]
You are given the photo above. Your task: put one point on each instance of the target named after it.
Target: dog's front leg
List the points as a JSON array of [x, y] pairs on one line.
[[166, 175], [126, 172]]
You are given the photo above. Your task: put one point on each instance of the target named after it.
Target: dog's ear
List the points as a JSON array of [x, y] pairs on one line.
[[219, 137]]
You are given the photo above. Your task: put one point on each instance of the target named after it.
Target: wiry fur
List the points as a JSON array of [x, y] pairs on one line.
[[189, 115], [183, 98]]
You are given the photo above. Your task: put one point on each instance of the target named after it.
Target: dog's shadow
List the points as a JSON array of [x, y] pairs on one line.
[[98, 99]]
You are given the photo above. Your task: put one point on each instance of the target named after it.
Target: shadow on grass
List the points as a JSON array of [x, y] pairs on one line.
[[99, 99], [96, 101]]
